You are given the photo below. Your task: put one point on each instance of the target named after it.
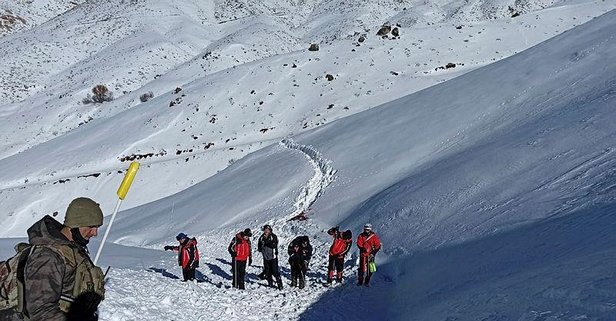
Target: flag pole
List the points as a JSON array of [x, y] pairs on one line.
[[122, 191]]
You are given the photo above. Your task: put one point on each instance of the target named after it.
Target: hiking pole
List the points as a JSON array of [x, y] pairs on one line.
[[122, 191], [234, 273]]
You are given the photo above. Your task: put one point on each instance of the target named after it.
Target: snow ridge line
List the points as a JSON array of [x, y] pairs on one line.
[[324, 174]]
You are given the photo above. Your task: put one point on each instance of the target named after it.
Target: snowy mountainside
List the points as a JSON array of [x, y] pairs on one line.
[[493, 194], [505, 215], [22, 14], [216, 96]]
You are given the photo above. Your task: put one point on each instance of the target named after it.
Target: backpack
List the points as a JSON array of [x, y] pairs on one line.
[[347, 235], [12, 278], [88, 277]]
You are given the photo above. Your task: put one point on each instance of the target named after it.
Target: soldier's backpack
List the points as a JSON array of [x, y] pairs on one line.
[[88, 277], [12, 278]]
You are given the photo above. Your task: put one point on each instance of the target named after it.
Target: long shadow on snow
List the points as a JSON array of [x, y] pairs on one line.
[[164, 272], [218, 271], [200, 277], [564, 266]]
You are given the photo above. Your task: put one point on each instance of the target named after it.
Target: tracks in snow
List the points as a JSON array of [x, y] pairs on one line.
[[324, 174]]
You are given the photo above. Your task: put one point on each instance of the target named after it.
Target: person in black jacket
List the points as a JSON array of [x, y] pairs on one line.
[[268, 246], [300, 252]]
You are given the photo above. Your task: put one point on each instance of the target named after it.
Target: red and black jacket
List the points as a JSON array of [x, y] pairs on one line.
[[341, 246], [240, 248], [188, 254]]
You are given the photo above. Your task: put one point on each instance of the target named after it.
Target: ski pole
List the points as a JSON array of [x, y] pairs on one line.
[[122, 191], [235, 285]]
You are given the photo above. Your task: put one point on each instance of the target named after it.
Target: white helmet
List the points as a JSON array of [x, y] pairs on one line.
[[368, 227]]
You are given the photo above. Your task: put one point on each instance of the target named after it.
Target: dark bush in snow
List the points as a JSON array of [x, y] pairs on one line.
[[395, 32], [147, 96], [383, 31], [100, 94]]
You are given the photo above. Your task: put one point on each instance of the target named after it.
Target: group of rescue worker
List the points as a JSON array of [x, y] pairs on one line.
[[299, 251]]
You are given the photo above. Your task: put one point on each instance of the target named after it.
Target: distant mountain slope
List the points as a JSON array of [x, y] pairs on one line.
[[221, 88], [19, 15]]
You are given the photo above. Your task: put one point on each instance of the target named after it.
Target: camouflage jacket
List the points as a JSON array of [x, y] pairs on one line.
[[49, 279]]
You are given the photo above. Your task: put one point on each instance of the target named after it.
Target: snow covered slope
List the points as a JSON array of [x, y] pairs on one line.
[[18, 15], [493, 194], [227, 79], [505, 210]]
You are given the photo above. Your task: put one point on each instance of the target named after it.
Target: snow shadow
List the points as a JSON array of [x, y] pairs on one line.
[[562, 267], [200, 277], [164, 272], [217, 270]]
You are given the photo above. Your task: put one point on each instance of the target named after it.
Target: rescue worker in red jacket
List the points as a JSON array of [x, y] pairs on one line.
[[240, 250], [369, 244], [188, 255], [339, 249]]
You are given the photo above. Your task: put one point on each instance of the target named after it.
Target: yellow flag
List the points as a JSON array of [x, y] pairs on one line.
[[128, 180]]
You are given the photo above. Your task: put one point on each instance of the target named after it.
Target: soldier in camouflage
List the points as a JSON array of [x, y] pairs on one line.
[[60, 282]]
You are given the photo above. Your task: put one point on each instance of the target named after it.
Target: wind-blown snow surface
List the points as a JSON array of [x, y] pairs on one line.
[[493, 194]]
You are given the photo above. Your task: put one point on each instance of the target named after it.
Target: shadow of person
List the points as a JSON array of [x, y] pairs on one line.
[[216, 270], [164, 273]]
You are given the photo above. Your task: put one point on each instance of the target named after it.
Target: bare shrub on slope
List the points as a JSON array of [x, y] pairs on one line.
[[100, 94]]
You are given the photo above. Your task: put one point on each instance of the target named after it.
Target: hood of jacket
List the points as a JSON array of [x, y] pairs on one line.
[[47, 231], [192, 241]]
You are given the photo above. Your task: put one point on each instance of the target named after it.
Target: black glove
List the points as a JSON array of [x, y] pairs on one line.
[[249, 260], [85, 307], [168, 248], [371, 257]]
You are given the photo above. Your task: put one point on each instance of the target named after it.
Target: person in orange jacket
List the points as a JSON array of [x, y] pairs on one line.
[[240, 250], [339, 249], [369, 244], [188, 255]]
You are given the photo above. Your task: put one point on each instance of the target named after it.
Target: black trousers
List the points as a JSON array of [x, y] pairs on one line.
[[239, 273], [336, 264], [298, 273], [263, 274], [271, 270], [188, 273]]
